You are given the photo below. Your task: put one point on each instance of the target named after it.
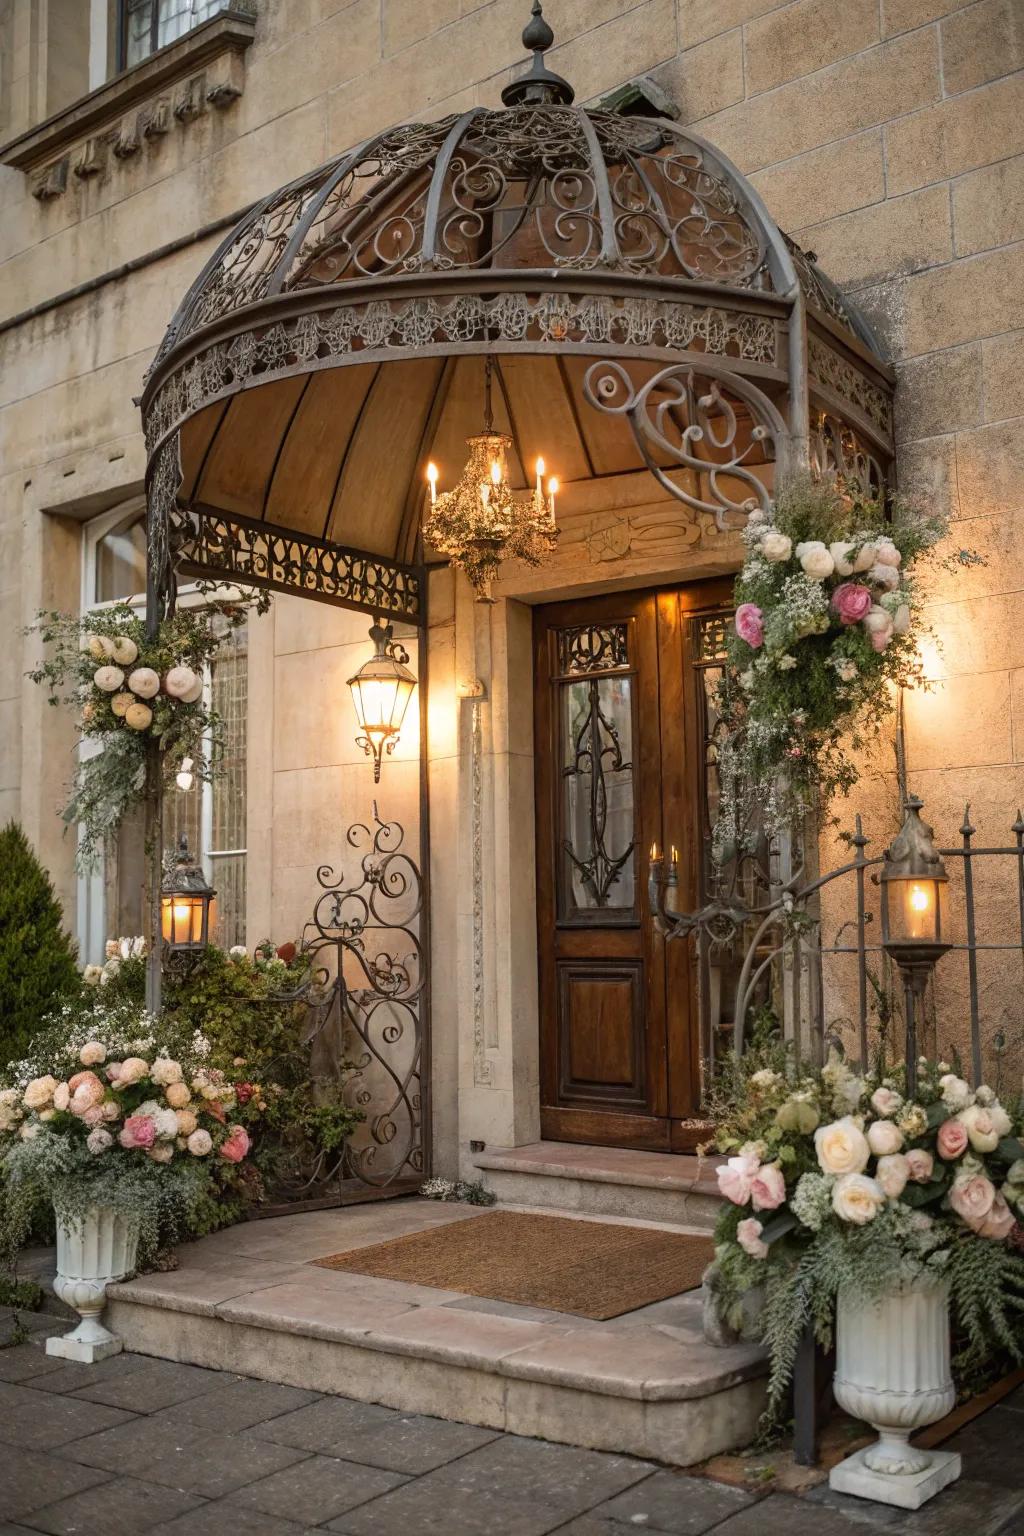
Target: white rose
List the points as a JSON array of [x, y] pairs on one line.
[[886, 553], [160, 1154], [1001, 1122], [99, 1140], [884, 1138], [980, 1128], [885, 1101], [815, 559], [901, 619], [840, 552], [165, 1071], [955, 1092], [886, 576], [238, 952], [109, 679], [166, 1122], [776, 546], [865, 557], [857, 1198], [878, 621], [200, 1143], [842, 1147], [892, 1173]]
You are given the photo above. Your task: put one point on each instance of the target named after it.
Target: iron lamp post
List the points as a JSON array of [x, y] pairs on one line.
[[381, 691], [187, 907], [913, 878]]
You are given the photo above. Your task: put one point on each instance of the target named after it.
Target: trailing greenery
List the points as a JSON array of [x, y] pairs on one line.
[[828, 622], [838, 1180], [128, 691], [470, 1192], [37, 956]]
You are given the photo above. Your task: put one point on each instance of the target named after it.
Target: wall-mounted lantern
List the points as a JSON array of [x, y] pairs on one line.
[[187, 907], [913, 881], [381, 691]]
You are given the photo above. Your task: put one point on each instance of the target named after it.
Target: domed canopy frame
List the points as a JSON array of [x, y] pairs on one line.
[[629, 283]]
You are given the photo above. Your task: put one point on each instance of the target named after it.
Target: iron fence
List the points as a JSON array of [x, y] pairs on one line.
[[774, 935]]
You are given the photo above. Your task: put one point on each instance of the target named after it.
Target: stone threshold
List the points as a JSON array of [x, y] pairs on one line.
[[605, 1165], [249, 1300]]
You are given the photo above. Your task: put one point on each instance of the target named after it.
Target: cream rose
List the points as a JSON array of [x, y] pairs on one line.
[[884, 1138], [177, 1095], [972, 1197], [92, 1053], [133, 1070], [841, 552], [955, 1092], [776, 546], [187, 1121], [842, 1147], [981, 1132], [39, 1092], [200, 1143], [920, 1165], [886, 553], [165, 1071], [892, 1173], [884, 1101], [815, 559], [865, 556], [857, 1199], [61, 1096]]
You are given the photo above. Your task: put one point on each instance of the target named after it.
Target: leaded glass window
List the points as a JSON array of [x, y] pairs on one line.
[[151, 24]]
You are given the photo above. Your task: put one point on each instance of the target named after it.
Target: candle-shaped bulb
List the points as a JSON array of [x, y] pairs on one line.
[[432, 477], [654, 852], [675, 854], [496, 472]]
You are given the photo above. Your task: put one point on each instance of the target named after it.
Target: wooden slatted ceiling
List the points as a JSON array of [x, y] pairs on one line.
[[342, 453]]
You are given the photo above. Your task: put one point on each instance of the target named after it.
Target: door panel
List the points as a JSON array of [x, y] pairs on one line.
[[616, 770]]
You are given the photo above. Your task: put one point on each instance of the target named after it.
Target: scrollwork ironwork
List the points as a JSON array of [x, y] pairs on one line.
[[593, 648], [690, 417], [364, 949], [837, 449]]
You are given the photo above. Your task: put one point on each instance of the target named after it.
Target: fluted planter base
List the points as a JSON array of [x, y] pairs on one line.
[[91, 1254], [892, 1369]]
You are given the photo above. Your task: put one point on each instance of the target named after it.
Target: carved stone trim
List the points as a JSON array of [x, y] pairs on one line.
[[313, 340], [173, 85]]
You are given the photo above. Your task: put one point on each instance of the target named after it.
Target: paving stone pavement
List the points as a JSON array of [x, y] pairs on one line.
[[141, 1447]]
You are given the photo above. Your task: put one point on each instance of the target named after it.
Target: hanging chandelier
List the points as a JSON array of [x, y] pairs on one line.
[[482, 521]]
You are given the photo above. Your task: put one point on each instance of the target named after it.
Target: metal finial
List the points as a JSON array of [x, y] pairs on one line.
[[537, 35], [540, 85]]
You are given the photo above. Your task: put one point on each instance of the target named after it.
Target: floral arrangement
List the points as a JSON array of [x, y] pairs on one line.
[[827, 622], [120, 1110], [835, 1178], [128, 691]]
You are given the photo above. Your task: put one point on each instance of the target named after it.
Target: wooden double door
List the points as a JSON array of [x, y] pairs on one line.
[[620, 744]]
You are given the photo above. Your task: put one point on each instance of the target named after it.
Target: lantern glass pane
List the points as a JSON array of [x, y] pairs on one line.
[[914, 910]]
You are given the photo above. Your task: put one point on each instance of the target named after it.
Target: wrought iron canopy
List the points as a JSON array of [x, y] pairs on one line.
[[335, 340]]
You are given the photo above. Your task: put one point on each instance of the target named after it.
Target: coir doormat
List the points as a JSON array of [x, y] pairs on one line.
[[595, 1269]]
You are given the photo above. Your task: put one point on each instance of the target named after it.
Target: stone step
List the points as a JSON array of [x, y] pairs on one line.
[[605, 1181], [249, 1300]]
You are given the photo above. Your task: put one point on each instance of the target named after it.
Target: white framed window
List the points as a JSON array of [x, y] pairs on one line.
[[147, 25], [213, 816]]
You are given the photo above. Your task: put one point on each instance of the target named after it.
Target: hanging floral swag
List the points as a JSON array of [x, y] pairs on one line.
[[129, 691], [828, 624]]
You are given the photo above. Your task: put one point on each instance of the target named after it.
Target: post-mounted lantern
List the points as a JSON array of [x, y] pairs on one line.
[[187, 906], [913, 881], [381, 691]]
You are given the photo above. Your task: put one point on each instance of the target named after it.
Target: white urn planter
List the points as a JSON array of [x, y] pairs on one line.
[[91, 1254], [892, 1369]]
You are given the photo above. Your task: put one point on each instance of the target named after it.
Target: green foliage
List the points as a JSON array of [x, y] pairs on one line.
[[22, 1295], [469, 1192], [37, 957]]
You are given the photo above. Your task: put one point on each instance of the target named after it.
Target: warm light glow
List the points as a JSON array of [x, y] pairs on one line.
[[540, 468], [675, 854], [919, 898], [432, 477], [496, 472], [655, 855], [181, 919], [919, 909], [552, 486]]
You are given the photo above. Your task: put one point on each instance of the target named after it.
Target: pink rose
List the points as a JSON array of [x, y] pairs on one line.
[[997, 1224], [748, 1235], [750, 624], [237, 1144], [735, 1178], [93, 1115], [972, 1198], [920, 1165], [767, 1189], [951, 1140], [138, 1131], [851, 602], [86, 1091]]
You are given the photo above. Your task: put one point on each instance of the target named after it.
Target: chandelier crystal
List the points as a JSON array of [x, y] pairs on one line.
[[482, 521]]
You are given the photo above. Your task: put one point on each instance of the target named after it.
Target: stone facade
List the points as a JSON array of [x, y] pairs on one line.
[[886, 135]]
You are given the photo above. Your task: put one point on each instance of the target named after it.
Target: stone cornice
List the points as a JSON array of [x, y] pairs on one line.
[[175, 85]]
